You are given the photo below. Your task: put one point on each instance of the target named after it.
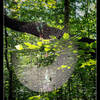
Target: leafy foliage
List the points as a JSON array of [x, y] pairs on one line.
[[82, 84], [45, 50]]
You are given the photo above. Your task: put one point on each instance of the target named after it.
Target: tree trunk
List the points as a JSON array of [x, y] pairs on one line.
[[83, 85], [12, 86], [66, 29], [66, 13], [10, 70]]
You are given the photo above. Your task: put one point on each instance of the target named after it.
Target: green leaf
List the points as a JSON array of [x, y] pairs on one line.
[[74, 51], [46, 49], [88, 63], [69, 46], [47, 46], [19, 47], [57, 53], [65, 36], [35, 97], [53, 37], [81, 52], [83, 31], [60, 21], [46, 41], [31, 46], [69, 67], [31, 98], [93, 45], [27, 43], [84, 45], [91, 50], [63, 66], [46, 98], [39, 43]]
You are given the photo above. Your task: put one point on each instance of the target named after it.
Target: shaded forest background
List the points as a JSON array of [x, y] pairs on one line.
[[78, 19]]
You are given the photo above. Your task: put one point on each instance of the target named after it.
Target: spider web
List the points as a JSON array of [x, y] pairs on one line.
[[45, 79]]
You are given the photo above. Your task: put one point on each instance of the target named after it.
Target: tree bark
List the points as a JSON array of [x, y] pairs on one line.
[[66, 14], [34, 28], [12, 94], [10, 71]]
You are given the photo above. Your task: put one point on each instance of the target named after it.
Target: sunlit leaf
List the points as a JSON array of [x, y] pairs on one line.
[[88, 63], [65, 36], [69, 67], [57, 54], [74, 51], [27, 43], [19, 47], [52, 37], [60, 21], [39, 43], [46, 41], [92, 69], [30, 98], [35, 97], [62, 66], [54, 7], [46, 49], [31, 46], [69, 46], [47, 46]]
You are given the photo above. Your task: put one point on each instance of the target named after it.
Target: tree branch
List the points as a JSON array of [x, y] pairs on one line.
[[34, 28]]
